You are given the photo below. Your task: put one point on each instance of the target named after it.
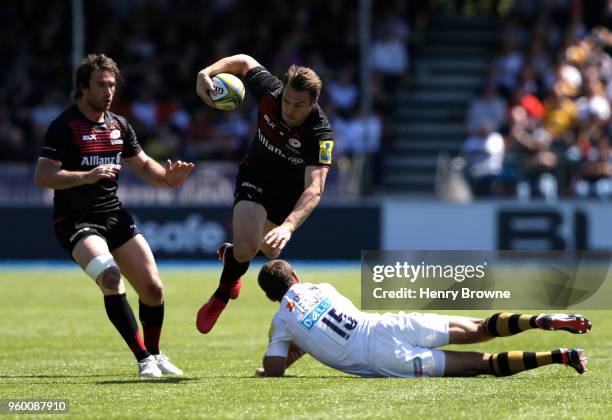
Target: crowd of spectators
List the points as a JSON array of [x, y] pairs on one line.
[[541, 126], [160, 45]]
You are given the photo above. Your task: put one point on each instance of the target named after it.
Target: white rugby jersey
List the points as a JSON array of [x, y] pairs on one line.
[[326, 325]]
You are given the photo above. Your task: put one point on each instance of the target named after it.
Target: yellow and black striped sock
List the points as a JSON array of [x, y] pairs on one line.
[[504, 324], [511, 362]]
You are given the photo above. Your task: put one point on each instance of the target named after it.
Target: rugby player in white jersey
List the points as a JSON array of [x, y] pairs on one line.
[[316, 319]]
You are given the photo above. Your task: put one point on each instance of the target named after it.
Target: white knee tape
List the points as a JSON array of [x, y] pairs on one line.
[[98, 264]]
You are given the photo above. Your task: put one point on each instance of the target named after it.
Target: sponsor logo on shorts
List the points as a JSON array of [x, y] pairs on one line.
[[77, 233], [325, 151], [311, 318], [247, 184]]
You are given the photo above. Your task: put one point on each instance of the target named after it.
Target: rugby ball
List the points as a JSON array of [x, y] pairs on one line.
[[228, 93]]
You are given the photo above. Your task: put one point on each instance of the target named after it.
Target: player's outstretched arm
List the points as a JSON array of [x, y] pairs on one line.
[[278, 364], [315, 176], [49, 173], [239, 64], [172, 175]]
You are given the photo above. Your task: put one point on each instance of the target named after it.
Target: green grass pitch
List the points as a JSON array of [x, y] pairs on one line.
[[56, 342]]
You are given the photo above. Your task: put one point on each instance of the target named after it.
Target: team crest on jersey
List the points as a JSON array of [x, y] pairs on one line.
[[295, 143], [115, 134], [325, 151]]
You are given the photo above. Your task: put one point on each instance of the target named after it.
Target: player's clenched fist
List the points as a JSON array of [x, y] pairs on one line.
[[260, 372]]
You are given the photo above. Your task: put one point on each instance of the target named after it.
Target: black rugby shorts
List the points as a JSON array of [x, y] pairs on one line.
[[277, 202], [116, 228]]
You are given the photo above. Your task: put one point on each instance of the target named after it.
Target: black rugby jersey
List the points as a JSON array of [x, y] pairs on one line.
[[81, 145], [279, 153]]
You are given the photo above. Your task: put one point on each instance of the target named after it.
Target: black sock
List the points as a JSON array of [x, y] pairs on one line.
[[121, 315], [152, 319], [232, 271]]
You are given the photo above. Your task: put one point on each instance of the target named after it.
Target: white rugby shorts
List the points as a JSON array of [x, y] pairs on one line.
[[402, 345]]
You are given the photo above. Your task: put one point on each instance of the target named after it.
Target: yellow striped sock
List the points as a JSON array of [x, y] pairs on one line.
[[504, 324]]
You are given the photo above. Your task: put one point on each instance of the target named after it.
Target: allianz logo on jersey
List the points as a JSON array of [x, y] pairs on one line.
[[95, 160], [311, 318], [276, 150]]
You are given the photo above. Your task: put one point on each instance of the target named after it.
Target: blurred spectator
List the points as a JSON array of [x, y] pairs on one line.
[[559, 111], [389, 57], [487, 106], [594, 104], [344, 92], [358, 141], [483, 152], [144, 112], [507, 67], [12, 138], [596, 164], [530, 163], [43, 113]]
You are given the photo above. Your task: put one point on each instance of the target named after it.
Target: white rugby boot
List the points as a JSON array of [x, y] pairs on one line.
[[148, 368], [165, 365]]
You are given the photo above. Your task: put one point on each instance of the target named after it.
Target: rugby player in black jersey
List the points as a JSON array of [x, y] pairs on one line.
[[282, 178], [81, 160]]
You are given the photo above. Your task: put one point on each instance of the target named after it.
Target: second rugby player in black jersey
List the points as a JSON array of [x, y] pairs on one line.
[[81, 160], [282, 178]]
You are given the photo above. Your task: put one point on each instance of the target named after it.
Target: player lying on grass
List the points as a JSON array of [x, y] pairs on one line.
[[316, 319]]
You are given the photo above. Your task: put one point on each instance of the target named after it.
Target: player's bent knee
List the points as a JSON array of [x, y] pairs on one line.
[[271, 253], [103, 269], [110, 278], [155, 291]]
